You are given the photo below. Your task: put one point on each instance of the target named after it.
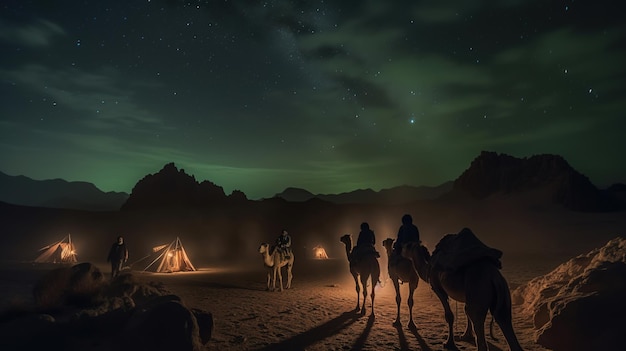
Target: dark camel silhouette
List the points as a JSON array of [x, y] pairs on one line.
[[363, 268], [482, 288], [401, 269]]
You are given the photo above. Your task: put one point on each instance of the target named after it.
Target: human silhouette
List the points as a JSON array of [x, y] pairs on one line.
[[118, 254], [365, 243], [408, 232], [283, 243]]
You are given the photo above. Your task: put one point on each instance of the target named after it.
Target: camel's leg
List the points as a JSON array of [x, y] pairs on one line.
[[280, 277], [450, 345], [396, 286], [358, 293], [443, 297], [501, 312], [269, 279], [412, 287], [504, 320], [289, 275], [477, 304], [477, 313], [375, 276], [468, 334], [274, 279], [374, 282], [364, 284]]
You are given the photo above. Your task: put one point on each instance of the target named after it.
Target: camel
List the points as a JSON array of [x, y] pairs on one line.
[[366, 267], [401, 269], [274, 263], [482, 288]]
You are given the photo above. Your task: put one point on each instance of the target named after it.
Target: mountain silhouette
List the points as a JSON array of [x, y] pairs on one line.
[[488, 174], [392, 196], [58, 193], [491, 173], [502, 197], [173, 188]]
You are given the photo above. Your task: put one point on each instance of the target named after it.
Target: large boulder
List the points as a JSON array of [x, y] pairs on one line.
[[79, 285], [581, 304], [76, 308]]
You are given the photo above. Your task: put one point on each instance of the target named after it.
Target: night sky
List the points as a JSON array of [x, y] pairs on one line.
[[330, 96]]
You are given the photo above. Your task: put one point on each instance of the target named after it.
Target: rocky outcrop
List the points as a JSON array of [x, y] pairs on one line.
[[173, 188], [581, 304], [121, 315], [492, 173]]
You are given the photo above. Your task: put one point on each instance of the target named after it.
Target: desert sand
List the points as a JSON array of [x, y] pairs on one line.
[[317, 313]]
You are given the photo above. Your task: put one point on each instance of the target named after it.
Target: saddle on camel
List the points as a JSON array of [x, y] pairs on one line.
[[455, 251], [362, 252]]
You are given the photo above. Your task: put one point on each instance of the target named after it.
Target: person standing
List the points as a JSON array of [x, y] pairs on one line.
[[118, 255]]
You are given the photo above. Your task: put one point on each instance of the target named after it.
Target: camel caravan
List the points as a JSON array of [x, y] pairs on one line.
[[461, 268]]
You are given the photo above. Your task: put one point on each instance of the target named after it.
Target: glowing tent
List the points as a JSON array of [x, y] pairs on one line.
[[169, 258], [60, 252], [319, 253]]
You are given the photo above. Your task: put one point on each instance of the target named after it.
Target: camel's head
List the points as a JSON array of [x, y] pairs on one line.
[[264, 248], [388, 245], [346, 239]]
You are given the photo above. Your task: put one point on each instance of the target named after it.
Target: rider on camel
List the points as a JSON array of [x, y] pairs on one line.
[[283, 244], [408, 232], [365, 244]]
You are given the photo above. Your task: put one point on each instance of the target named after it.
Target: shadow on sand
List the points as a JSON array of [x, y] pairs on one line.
[[332, 327], [493, 347], [360, 342], [404, 345], [420, 340]]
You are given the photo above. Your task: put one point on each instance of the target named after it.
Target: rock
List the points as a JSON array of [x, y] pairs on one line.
[[580, 305], [88, 313], [205, 324], [79, 285], [168, 325]]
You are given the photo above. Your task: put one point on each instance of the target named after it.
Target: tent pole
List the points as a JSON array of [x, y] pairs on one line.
[[156, 259]]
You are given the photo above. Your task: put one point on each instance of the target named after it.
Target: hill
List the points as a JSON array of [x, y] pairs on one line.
[[58, 193], [392, 196], [550, 177], [171, 187]]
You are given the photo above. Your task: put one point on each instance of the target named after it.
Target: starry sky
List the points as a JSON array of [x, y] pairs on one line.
[[330, 96]]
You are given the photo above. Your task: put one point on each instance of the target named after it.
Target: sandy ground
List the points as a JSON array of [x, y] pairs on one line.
[[316, 314]]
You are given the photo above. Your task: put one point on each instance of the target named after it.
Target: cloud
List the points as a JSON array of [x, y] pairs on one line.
[[99, 100], [38, 34]]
